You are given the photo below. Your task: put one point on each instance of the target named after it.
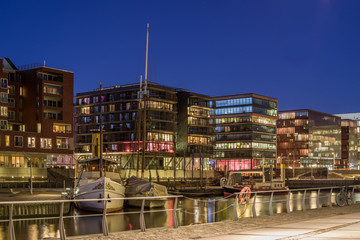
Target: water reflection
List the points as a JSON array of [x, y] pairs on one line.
[[191, 211]]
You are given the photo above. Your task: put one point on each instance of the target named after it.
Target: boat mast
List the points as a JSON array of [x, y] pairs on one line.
[[138, 126], [144, 100], [101, 134]]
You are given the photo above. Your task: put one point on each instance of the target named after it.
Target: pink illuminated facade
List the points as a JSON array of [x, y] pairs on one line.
[[123, 120]]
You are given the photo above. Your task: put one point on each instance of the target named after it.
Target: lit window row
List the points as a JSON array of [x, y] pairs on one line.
[[245, 154], [20, 161], [163, 137], [244, 145], [198, 112], [160, 105], [246, 120], [285, 130], [198, 121], [52, 89], [198, 140], [62, 128], [234, 102], [233, 110], [45, 143]]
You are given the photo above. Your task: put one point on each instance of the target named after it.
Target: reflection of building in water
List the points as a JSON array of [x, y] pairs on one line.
[[307, 138]]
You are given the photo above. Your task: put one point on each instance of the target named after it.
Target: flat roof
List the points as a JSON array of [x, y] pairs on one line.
[[224, 97]]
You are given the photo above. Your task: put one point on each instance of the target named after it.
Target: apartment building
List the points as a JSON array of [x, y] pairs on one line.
[[36, 119]]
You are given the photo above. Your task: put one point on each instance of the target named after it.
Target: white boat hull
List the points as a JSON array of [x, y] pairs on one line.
[[103, 187]]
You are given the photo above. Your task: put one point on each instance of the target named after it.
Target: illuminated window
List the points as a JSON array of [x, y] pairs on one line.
[[11, 89], [7, 140], [4, 111], [31, 142], [112, 108], [46, 143], [62, 128], [85, 110]]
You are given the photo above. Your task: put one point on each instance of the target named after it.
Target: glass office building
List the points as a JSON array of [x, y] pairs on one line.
[[245, 131], [350, 138], [307, 138]]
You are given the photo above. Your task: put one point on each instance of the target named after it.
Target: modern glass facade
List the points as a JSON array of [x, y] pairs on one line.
[[349, 137], [245, 131], [307, 138]]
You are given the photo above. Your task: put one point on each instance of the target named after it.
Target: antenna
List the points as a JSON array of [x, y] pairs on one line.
[[44, 63]]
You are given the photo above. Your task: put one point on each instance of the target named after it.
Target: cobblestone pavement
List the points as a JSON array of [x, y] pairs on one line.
[[225, 227]]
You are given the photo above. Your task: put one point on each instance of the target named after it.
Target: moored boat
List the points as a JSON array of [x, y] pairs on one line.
[[137, 187], [256, 180], [91, 184], [103, 187]]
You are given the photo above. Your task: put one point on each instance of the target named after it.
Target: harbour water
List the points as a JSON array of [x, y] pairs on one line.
[[191, 211]]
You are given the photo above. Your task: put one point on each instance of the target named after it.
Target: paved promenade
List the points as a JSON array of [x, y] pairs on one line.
[[325, 224]]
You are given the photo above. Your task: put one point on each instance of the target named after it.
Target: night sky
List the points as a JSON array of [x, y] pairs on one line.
[[305, 53]]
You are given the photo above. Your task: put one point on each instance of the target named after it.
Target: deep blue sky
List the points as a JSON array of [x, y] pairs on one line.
[[305, 53]]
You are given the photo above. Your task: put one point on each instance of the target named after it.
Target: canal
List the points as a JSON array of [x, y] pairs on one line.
[[191, 211]]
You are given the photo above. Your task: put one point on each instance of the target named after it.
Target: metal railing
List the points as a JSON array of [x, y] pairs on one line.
[[254, 194], [104, 214], [13, 205]]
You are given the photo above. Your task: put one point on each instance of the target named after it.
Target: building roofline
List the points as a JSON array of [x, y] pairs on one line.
[[58, 69], [243, 95], [311, 110]]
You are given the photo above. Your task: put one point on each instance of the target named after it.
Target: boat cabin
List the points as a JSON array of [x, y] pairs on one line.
[[89, 168]]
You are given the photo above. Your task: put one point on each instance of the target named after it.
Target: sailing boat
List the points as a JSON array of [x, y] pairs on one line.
[[138, 187], [93, 185]]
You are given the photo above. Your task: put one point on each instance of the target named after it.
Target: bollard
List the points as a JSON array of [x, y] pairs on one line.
[[235, 208], [271, 211], [253, 207]]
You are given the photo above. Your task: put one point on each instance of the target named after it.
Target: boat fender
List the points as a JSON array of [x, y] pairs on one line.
[[99, 197], [109, 197], [244, 195]]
